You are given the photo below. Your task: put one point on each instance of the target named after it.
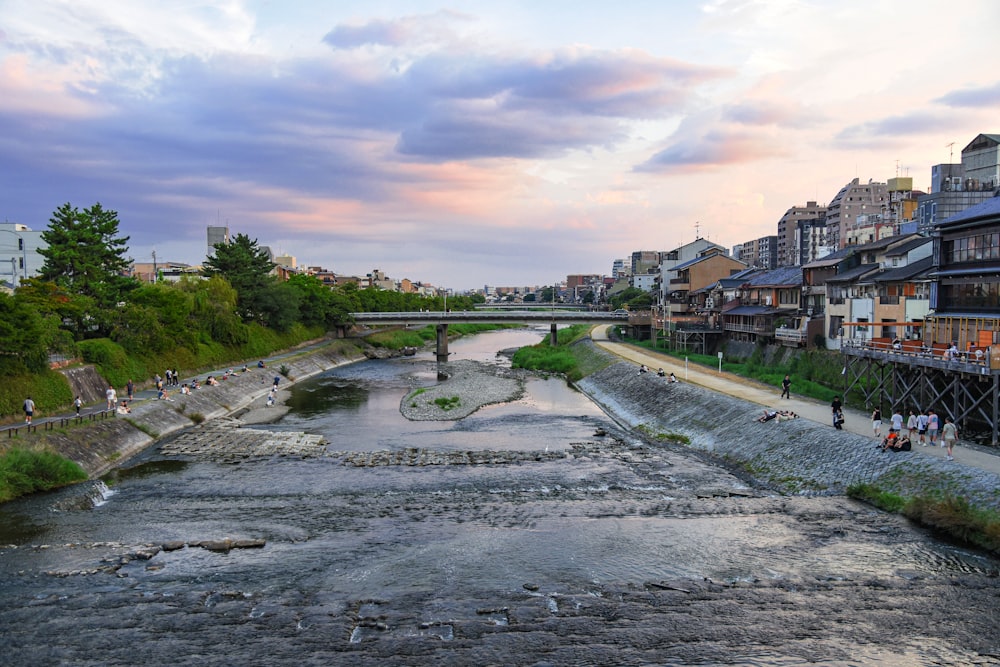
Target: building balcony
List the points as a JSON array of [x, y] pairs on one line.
[[889, 300], [915, 353], [740, 327], [791, 335]]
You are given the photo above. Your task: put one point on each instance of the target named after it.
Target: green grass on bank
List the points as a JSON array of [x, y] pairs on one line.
[[24, 471], [949, 514], [565, 357], [814, 373]]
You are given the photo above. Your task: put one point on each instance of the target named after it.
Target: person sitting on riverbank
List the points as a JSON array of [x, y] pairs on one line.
[[185, 390], [660, 373], [672, 379], [642, 369], [211, 381], [123, 408], [786, 415], [896, 443]]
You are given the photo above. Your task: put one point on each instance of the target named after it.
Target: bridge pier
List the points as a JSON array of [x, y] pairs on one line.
[[442, 342], [553, 338]]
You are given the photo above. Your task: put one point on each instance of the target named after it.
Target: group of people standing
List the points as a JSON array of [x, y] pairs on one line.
[[924, 427]]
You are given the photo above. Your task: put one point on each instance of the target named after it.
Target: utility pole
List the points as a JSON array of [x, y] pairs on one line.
[[153, 280]]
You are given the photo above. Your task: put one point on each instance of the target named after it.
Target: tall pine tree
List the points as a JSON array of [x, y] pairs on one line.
[[247, 267], [85, 255]]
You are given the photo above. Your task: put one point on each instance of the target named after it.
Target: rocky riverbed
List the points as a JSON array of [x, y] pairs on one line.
[[236, 543]]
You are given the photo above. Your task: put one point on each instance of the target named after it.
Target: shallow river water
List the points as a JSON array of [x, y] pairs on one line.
[[554, 539]]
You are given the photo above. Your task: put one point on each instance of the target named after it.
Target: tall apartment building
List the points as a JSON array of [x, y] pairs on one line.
[[902, 201], [956, 187], [644, 260], [854, 199], [760, 253], [19, 257], [217, 235], [809, 240], [790, 252]]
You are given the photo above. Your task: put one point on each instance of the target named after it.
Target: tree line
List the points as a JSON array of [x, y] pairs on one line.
[[84, 304]]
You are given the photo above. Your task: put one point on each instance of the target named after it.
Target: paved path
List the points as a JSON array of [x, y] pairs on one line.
[[755, 392]]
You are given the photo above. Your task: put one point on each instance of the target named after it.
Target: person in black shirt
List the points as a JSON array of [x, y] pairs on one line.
[[838, 412]]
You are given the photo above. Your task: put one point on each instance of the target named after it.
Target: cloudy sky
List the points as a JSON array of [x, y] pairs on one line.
[[467, 143]]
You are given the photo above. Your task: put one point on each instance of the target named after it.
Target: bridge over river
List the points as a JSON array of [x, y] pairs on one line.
[[441, 320]]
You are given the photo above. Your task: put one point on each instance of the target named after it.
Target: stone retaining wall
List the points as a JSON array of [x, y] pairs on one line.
[[103, 445], [797, 456]]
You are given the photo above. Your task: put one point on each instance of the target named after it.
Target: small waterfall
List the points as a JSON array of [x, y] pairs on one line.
[[100, 493]]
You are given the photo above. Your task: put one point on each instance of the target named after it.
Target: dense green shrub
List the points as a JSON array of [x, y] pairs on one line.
[[48, 389], [23, 471]]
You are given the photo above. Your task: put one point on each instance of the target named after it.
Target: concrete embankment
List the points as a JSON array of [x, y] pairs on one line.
[[797, 456], [102, 445]]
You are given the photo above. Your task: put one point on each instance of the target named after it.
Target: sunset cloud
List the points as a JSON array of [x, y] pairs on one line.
[[505, 144]]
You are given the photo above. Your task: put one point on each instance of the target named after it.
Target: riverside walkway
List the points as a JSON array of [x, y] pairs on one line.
[[770, 397]]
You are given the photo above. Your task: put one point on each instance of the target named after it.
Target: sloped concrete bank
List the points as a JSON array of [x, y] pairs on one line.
[[103, 445], [796, 457]]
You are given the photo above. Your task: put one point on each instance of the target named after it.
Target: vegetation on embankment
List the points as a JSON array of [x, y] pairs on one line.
[[397, 339], [24, 471], [815, 373], [949, 514], [113, 362], [573, 361], [48, 389]]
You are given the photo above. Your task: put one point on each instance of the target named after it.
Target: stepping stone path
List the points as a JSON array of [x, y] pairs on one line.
[[227, 440]]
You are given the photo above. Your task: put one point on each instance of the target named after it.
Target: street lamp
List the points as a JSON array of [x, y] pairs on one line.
[[24, 257]]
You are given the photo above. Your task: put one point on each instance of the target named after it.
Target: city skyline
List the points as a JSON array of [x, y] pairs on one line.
[[472, 144]]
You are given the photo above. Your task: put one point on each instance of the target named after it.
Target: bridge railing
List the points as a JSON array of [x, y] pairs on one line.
[[431, 317]]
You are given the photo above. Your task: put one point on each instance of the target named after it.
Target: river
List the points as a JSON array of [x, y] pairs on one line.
[[549, 537]]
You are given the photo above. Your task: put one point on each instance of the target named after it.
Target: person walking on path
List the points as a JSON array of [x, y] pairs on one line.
[[130, 389], [29, 409], [948, 436], [877, 422], [912, 425], [933, 423], [922, 428], [786, 385], [277, 379], [112, 397], [837, 408], [896, 421], [78, 403]]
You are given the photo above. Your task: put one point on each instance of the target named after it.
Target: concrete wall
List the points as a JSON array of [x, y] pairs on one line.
[[85, 382], [795, 457], [104, 444]]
